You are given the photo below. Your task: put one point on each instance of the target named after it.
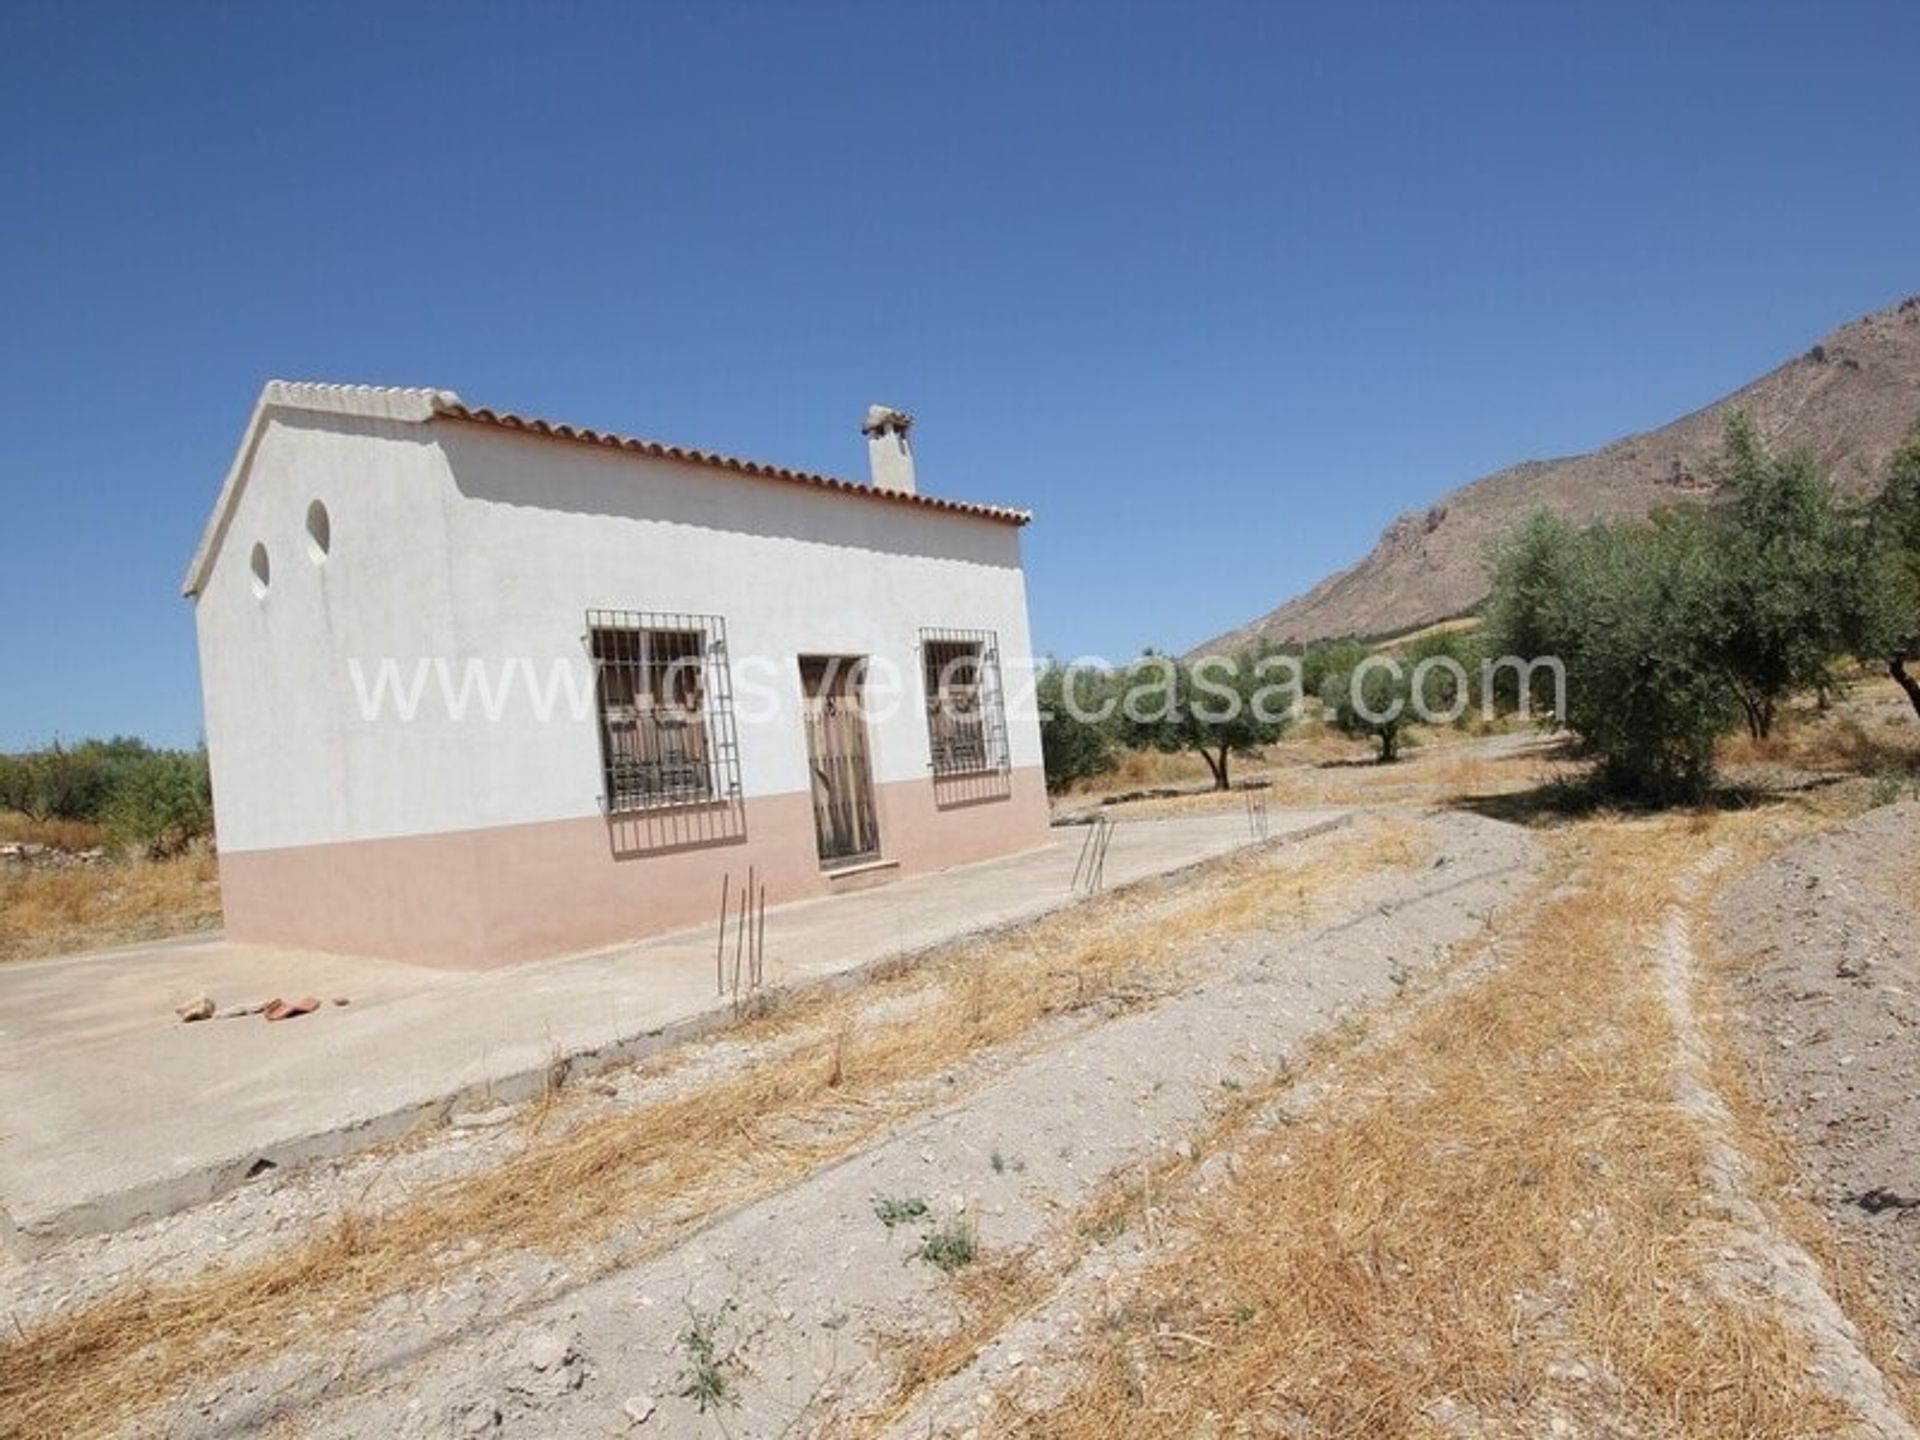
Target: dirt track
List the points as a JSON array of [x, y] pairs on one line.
[[1822, 942]]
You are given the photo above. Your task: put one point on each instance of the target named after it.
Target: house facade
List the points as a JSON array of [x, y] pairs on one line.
[[481, 688]]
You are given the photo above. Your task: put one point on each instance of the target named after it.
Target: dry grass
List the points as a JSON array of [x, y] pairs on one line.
[[1445, 769], [1854, 737], [51, 911], [1152, 767], [638, 1178], [1448, 770], [996, 1296], [16, 828], [1311, 742], [1505, 1187], [987, 1299], [990, 1298]]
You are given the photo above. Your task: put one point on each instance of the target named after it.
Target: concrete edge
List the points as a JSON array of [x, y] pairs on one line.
[[168, 1195]]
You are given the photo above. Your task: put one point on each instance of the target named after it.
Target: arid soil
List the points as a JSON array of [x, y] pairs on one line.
[[1824, 946], [1156, 1011], [1439, 1125], [811, 1296]]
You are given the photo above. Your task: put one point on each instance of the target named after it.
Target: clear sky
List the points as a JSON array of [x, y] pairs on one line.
[[1217, 291]]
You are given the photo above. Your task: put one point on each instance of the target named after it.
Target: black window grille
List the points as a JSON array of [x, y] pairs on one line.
[[666, 709], [966, 717]]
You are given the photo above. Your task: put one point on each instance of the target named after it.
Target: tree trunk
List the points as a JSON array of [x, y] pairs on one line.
[[1897, 667], [1218, 767]]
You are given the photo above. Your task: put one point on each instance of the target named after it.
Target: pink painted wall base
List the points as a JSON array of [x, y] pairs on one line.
[[480, 898]]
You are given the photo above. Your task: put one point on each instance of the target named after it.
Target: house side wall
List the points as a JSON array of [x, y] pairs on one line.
[[288, 758], [464, 562]]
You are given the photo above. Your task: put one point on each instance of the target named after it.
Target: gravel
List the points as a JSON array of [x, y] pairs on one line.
[[1828, 991]]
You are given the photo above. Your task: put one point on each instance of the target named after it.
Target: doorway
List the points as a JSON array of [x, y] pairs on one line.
[[843, 812]]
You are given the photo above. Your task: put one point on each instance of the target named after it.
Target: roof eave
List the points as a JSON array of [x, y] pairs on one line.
[[658, 450], [417, 406]]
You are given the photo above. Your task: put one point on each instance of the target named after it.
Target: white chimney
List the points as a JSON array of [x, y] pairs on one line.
[[888, 449]]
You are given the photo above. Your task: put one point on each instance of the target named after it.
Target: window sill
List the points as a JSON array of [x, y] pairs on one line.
[[629, 811]]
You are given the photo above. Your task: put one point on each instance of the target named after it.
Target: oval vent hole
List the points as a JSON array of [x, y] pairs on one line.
[[319, 532]]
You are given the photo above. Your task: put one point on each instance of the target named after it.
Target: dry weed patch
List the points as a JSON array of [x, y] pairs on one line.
[[643, 1175], [1498, 1219], [16, 828], [47, 911], [1841, 741], [1447, 768], [997, 1296]]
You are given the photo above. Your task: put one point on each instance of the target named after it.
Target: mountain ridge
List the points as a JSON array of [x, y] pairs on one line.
[[1847, 400]]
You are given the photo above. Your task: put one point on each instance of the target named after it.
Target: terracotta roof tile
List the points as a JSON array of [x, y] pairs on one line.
[[418, 406], [532, 425]]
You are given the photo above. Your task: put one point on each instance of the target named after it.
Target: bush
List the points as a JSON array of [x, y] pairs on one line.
[[1530, 567], [58, 783], [1073, 748], [1441, 671], [18, 789], [158, 801], [1639, 617], [163, 802], [1326, 659], [1371, 701]]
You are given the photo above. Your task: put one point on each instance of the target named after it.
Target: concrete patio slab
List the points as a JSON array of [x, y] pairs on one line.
[[112, 1111]]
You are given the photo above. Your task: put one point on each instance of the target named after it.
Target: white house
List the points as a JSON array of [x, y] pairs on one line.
[[481, 687]]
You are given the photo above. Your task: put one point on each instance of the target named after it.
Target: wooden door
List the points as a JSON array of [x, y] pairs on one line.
[[843, 811]]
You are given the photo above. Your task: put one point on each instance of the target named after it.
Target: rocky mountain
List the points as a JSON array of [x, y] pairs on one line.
[[1848, 400]]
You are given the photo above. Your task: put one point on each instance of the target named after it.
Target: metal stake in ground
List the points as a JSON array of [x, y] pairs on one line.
[[1100, 859], [740, 934], [760, 943], [1089, 845], [720, 947]]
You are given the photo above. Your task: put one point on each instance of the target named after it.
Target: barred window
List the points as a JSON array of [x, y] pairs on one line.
[[666, 711], [966, 720]]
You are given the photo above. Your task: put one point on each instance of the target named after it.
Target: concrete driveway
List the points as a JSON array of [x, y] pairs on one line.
[[111, 1110]]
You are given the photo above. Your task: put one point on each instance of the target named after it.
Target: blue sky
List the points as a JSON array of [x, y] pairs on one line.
[[1217, 291]]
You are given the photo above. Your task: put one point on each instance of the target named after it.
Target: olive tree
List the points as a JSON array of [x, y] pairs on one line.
[[1893, 623], [1637, 616], [1792, 570], [1371, 700], [58, 782], [1218, 706], [163, 802], [1076, 729]]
